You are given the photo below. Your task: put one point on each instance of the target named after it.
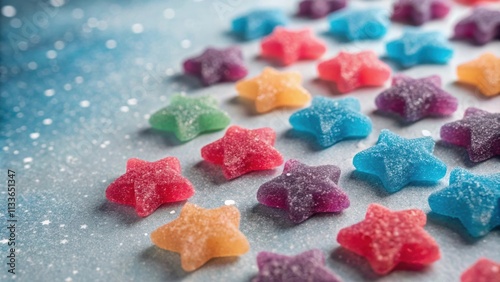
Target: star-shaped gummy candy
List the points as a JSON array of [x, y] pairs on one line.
[[217, 65], [331, 121], [358, 24], [242, 150], [413, 99], [304, 190], [316, 9], [420, 11], [484, 270], [478, 132], [398, 161], [475, 2], [148, 185], [306, 266], [199, 235], [386, 238], [420, 47], [188, 117], [473, 199], [288, 46], [482, 26], [353, 70], [258, 23], [273, 89], [484, 73]]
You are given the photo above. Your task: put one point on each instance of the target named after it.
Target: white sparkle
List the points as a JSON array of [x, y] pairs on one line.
[[59, 45], [132, 102], [57, 3], [64, 241], [168, 14], [49, 92], [47, 121], [426, 132], [8, 11], [27, 160], [137, 28], [84, 104], [45, 222], [185, 43], [51, 54], [79, 80], [69, 279], [111, 44], [229, 202], [124, 109], [75, 271], [4, 241], [172, 212], [34, 135], [83, 226], [62, 225]]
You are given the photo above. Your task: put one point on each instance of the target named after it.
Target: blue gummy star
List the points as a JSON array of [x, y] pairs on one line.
[[258, 23], [359, 24], [331, 121], [420, 47], [473, 199], [398, 161]]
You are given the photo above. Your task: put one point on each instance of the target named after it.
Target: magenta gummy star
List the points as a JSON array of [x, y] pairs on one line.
[[482, 26], [478, 132], [217, 65], [414, 99], [304, 190], [418, 12], [316, 9]]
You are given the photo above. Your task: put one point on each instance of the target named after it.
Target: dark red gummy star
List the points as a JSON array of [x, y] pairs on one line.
[[148, 185], [243, 150], [316, 9]]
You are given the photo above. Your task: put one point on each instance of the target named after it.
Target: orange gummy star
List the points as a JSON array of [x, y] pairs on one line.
[[272, 89], [483, 72], [199, 235]]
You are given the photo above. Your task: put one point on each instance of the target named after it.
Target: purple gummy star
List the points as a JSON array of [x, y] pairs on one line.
[[307, 266], [316, 9], [478, 132], [482, 26], [304, 190], [418, 12], [217, 65], [414, 99]]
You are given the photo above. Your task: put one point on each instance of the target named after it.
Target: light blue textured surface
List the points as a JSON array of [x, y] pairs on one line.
[[258, 23], [357, 24]]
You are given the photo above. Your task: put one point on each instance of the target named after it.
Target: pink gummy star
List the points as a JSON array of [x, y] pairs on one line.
[[484, 270]]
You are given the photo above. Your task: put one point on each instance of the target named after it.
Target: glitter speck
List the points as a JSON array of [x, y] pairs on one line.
[[59, 45], [83, 226], [426, 132], [132, 102], [229, 202], [34, 135], [51, 54], [8, 11], [124, 109], [84, 104], [64, 241], [49, 92], [185, 43], [111, 44], [45, 222], [27, 160], [57, 3], [172, 212], [47, 121], [137, 28]]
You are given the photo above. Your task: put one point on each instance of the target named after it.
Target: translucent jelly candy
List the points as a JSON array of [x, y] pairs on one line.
[[316, 9], [482, 73], [258, 23], [304, 190], [475, 2], [307, 266], [199, 235], [478, 132], [272, 89], [331, 121], [355, 24], [243, 150], [289, 46], [473, 199], [148, 185], [217, 65], [386, 238], [420, 47], [414, 99], [188, 117], [398, 161], [421, 11], [353, 70], [482, 26], [484, 270]]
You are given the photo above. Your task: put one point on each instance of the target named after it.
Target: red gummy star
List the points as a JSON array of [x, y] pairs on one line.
[[148, 185], [484, 270], [243, 150], [289, 46], [386, 238], [353, 70]]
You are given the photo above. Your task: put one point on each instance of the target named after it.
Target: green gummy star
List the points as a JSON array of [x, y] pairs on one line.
[[188, 117]]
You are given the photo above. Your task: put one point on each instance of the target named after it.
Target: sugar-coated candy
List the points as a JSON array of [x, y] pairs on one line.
[[331, 121], [475, 2], [473, 199], [288, 46], [420, 47], [478, 132], [148, 185], [421, 11], [358, 24], [258, 23], [482, 26], [484, 73], [413, 99], [353, 70], [188, 117], [398, 161], [273, 89], [484, 270], [306, 266], [386, 238], [304, 190], [316, 9], [217, 65], [243, 150], [199, 235]]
